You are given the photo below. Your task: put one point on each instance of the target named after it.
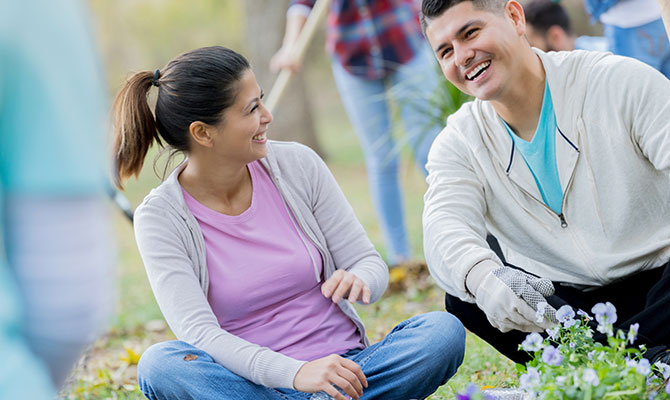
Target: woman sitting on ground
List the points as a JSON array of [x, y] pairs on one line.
[[255, 257]]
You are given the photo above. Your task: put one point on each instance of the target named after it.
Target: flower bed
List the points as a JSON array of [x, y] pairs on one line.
[[569, 364]]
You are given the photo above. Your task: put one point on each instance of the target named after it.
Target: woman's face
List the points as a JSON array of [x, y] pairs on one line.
[[241, 134]]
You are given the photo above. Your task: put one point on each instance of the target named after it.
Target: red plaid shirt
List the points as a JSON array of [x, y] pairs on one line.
[[371, 38]]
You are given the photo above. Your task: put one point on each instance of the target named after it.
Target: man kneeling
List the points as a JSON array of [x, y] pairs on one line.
[[565, 158]]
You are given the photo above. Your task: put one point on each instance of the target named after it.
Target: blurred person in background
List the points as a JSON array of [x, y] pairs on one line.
[[55, 247], [634, 28], [378, 55], [548, 28]]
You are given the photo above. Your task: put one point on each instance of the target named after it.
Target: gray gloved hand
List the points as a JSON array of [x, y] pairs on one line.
[[510, 297], [531, 289]]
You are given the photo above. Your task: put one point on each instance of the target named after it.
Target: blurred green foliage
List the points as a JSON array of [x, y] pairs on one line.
[[135, 35]]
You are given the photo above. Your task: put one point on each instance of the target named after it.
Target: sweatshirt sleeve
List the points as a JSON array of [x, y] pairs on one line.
[[347, 241], [643, 96], [454, 231], [163, 245]]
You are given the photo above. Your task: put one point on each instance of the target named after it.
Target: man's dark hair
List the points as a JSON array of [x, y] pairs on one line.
[[431, 9], [543, 14]]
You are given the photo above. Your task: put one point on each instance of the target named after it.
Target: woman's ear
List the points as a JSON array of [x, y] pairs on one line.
[[202, 133]]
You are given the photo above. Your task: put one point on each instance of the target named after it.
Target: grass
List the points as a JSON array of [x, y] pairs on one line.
[[108, 370]]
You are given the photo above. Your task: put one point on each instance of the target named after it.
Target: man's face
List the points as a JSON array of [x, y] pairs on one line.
[[478, 49]]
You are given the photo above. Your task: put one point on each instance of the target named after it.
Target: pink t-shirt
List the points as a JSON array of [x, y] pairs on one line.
[[262, 284]]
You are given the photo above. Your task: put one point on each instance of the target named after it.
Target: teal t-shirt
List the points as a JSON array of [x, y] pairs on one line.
[[540, 154]]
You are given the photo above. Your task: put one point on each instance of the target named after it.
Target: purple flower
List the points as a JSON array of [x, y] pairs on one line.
[[631, 363], [643, 367], [667, 388], [591, 354], [590, 376], [541, 309], [605, 313], [565, 313], [529, 379], [552, 356], [568, 323], [664, 368], [532, 343], [470, 391], [584, 314], [552, 332], [632, 332]]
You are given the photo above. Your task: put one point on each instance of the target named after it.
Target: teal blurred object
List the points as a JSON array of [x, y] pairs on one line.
[[52, 124], [52, 99]]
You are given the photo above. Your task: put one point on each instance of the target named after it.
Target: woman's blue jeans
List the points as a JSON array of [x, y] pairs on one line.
[[411, 362], [367, 103]]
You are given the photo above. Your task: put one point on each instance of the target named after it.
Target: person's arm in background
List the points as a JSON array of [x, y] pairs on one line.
[[664, 5], [296, 16]]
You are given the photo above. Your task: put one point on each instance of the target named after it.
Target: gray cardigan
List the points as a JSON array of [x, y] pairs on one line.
[[173, 251]]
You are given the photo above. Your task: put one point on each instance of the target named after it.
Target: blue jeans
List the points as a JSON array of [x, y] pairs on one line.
[[366, 102], [647, 43], [412, 361]]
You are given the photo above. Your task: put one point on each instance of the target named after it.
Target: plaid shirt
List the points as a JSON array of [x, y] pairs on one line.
[[371, 37]]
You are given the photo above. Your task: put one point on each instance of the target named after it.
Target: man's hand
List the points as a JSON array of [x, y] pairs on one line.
[[531, 289], [343, 284], [509, 297], [322, 374]]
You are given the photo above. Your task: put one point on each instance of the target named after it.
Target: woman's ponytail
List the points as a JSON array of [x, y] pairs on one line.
[[135, 127]]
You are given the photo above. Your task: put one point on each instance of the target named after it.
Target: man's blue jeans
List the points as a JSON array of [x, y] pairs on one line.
[[412, 361], [367, 103], [647, 43]]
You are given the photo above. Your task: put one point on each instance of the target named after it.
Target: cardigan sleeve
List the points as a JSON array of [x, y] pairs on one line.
[[163, 241], [346, 239]]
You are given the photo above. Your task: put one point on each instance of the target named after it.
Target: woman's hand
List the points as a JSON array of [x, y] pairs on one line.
[[345, 284], [320, 375]]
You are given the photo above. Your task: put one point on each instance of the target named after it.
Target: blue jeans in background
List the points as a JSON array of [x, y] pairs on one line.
[[367, 103], [647, 43], [411, 362]]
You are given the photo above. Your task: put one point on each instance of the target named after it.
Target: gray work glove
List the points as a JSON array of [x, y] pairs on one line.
[[532, 289], [510, 297]]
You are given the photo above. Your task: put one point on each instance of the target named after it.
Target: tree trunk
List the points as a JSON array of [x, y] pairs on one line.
[[265, 23]]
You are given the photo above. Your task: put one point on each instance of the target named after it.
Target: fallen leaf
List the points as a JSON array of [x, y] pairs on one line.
[[131, 357]]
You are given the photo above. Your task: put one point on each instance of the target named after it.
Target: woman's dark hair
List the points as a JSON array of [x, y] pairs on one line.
[[196, 86]]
